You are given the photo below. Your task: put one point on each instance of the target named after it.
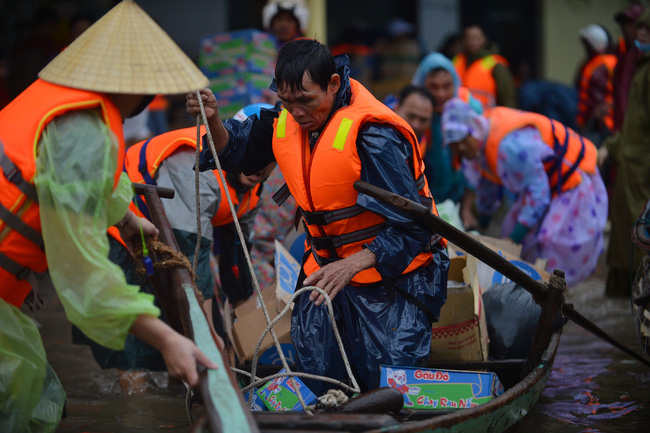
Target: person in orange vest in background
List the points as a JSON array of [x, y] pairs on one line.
[[157, 121], [561, 203], [595, 85], [367, 256], [167, 160], [247, 193], [448, 180], [285, 19], [627, 56], [485, 73], [62, 186]]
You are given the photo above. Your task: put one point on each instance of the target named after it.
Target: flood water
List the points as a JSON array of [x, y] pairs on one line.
[[593, 387]]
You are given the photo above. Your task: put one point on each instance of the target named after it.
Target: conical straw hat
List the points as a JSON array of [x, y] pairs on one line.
[[125, 51]]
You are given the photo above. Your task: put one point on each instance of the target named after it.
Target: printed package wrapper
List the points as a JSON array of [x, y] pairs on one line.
[[441, 390], [279, 394]]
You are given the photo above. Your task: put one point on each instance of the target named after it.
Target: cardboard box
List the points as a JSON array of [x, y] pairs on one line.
[[461, 333], [250, 323], [441, 389], [279, 395], [507, 249], [287, 270]]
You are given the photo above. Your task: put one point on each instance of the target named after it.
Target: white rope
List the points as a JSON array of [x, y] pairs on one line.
[[197, 195], [270, 323], [332, 398], [330, 311]]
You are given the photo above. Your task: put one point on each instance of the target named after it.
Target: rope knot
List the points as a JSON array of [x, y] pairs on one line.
[[165, 257]]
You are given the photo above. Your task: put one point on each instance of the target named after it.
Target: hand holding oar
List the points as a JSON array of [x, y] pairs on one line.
[[487, 256]]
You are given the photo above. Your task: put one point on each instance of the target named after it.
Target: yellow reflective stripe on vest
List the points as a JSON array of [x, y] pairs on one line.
[[281, 128], [342, 134], [488, 63]]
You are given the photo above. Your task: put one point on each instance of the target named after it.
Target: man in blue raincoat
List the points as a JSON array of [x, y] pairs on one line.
[[384, 271]]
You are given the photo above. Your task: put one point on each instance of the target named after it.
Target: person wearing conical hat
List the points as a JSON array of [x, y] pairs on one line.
[[61, 187]]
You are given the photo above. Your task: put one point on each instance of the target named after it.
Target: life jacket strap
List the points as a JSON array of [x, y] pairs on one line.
[[16, 269], [322, 218], [281, 195], [142, 164], [420, 182], [560, 150], [333, 242], [148, 179], [14, 175], [17, 224]]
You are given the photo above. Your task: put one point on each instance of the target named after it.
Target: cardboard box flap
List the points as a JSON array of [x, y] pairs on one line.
[[248, 328], [287, 270], [461, 332]]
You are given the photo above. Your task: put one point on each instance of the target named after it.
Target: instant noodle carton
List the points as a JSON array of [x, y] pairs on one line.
[[258, 404], [441, 389], [279, 394]]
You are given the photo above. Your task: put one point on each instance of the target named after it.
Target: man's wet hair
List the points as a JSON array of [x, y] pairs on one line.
[[413, 89], [437, 70], [302, 55]]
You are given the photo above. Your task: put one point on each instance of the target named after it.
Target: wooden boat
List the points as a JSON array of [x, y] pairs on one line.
[[523, 379], [497, 415]]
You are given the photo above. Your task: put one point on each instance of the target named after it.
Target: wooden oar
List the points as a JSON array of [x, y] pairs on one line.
[[487, 256], [224, 405]]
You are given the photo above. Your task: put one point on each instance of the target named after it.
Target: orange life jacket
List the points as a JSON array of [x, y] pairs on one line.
[[21, 124], [609, 61], [478, 77], [321, 181], [141, 164], [159, 103], [248, 202], [572, 151]]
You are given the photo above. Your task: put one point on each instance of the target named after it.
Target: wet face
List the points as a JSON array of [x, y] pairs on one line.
[[285, 26], [643, 34], [417, 111], [254, 179], [311, 105], [474, 40], [467, 148], [441, 86]]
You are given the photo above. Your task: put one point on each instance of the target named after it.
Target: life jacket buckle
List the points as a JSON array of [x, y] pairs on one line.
[[315, 218]]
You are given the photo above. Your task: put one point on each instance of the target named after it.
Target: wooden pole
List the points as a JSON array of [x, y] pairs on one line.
[[551, 305], [489, 257]]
